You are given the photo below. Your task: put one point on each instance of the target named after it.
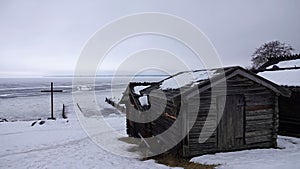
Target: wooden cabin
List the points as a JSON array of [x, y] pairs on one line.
[[247, 119]]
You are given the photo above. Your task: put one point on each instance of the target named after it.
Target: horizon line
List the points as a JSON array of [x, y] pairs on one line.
[[105, 75]]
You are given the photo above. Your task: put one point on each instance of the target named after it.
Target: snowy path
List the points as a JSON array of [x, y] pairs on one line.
[[287, 157], [58, 144]]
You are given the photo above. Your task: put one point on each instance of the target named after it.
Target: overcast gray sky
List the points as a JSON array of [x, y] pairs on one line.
[[46, 37]]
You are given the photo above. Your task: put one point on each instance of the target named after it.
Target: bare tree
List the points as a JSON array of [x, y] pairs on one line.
[[269, 51]]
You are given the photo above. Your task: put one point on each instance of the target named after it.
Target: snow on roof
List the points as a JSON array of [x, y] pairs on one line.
[[137, 89], [290, 63], [144, 100], [285, 77], [187, 78]]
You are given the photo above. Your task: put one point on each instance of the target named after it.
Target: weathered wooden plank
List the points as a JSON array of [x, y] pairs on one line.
[[233, 83], [238, 89], [198, 124], [261, 92], [202, 147], [202, 107], [161, 106], [266, 144], [201, 151], [258, 102], [269, 96], [196, 131], [259, 122], [260, 112], [259, 139], [258, 133], [203, 117], [157, 131], [257, 127], [195, 136], [259, 117], [258, 107]]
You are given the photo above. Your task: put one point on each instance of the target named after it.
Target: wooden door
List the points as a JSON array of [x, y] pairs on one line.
[[231, 126]]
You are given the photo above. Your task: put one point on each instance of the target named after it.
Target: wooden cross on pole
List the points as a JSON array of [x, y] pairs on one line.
[[52, 91]]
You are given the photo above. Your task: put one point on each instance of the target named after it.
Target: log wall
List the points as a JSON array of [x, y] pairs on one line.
[[289, 115], [260, 118], [260, 122]]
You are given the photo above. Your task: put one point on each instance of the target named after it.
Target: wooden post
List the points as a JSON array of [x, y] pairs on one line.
[[52, 114], [52, 102], [64, 112]]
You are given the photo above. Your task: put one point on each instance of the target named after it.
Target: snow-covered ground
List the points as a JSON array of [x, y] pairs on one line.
[[287, 157], [64, 144], [59, 144]]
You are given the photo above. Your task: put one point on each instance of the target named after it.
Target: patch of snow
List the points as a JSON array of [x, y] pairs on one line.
[[285, 64], [186, 78], [144, 100], [84, 88], [123, 105], [285, 77], [287, 157], [4, 95], [115, 99], [290, 63], [137, 89], [271, 67]]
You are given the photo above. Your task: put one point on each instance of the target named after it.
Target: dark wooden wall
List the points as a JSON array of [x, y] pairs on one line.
[[260, 118], [260, 122], [134, 128], [289, 115]]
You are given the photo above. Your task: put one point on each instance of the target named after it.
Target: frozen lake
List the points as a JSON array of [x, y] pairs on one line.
[[22, 99]]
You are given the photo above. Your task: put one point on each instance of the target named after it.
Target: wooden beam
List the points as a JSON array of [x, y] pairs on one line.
[[52, 102]]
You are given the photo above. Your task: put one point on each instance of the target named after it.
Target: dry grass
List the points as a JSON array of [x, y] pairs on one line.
[[166, 159], [180, 162], [129, 140]]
